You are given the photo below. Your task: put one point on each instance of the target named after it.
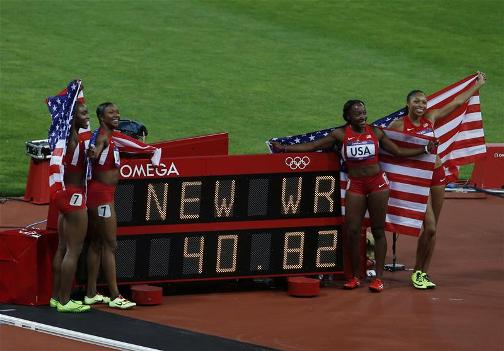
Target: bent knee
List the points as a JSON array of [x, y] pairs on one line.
[[61, 249], [111, 245], [429, 231], [95, 245], [353, 232], [76, 247]]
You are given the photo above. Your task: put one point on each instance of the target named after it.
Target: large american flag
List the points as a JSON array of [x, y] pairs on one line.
[[61, 107], [460, 134], [461, 141]]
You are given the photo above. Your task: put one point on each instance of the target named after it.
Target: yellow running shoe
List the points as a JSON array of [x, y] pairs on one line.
[[54, 303], [428, 283], [121, 303], [72, 307], [418, 281], [98, 298]]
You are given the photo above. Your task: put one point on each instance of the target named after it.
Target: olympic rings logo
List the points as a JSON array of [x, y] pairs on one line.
[[297, 162]]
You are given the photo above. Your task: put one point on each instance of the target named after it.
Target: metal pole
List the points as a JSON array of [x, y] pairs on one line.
[[394, 266]]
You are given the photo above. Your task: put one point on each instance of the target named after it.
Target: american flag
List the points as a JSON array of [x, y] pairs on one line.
[[129, 145], [410, 179], [300, 138], [61, 107], [125, 144], [461, 141], [460, 134]]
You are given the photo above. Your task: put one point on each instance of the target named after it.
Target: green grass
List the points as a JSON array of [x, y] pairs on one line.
[[254, 69]]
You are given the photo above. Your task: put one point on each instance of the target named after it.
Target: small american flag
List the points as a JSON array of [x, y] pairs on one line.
[[129, 145], [61, 107], [124, 144]]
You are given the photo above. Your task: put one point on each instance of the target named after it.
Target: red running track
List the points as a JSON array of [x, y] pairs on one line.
[[465, 311]]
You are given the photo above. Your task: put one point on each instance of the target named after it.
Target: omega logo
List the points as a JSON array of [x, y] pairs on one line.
[[148, 170]]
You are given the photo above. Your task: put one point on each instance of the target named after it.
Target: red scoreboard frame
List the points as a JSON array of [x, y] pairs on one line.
[[206, 215]]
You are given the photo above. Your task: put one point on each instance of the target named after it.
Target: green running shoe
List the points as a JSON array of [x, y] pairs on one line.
[[418, 281], [428, 283], [54, 303], [72, 307]]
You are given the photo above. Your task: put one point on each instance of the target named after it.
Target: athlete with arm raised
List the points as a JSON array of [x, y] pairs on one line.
[[421, 121]]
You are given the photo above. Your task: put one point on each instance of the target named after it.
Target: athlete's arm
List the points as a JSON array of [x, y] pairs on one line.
[[398, 124], [392, 148], [321, 143], [94, 151]]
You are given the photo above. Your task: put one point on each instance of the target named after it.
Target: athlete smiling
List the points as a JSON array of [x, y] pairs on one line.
[[367, 187]]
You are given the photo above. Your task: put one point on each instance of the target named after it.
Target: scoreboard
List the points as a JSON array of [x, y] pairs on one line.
[[227, 217]]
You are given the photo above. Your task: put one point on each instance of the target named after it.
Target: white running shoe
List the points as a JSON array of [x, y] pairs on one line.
[[98, 298], [121, 303]]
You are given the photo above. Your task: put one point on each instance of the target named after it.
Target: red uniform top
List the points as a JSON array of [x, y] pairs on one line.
[[109, 157], [360, 149], [76, 162], [425, 128]]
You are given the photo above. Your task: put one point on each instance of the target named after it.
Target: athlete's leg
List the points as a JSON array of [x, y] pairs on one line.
[[75, 227], [426, 238], [106, 226], [355, 209], [58, 258], [437, 200], [377, 205], [93, 258]]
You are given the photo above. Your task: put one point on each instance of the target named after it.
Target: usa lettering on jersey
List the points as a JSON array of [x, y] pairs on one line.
[[360, 150]]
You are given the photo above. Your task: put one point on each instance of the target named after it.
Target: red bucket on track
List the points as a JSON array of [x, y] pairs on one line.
[[147, 294], [303, 287]]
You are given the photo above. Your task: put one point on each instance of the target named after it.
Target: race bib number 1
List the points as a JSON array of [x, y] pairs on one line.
[[76, 200], [104, 211]]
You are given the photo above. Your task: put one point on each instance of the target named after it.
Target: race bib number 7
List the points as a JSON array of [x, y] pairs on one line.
[[76, 200], [104, 211]]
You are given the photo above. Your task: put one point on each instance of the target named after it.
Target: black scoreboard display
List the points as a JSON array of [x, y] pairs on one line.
[[222, 217]]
